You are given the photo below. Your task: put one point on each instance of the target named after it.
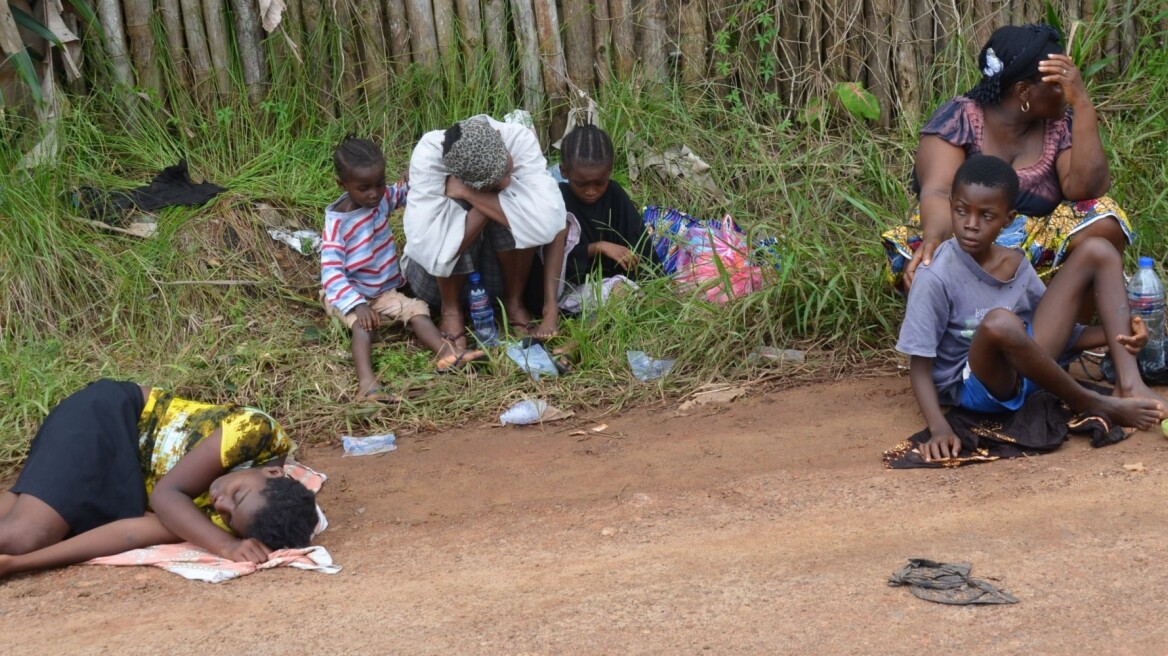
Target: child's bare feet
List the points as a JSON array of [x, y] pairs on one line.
[[518, 318], [549, 327], [1140, 412], [1140, 390]]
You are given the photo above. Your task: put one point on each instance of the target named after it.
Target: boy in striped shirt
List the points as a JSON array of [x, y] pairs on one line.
[[360, 276]]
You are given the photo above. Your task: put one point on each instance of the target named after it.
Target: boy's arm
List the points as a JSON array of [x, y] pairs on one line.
[[943, 443], [1093, 337]]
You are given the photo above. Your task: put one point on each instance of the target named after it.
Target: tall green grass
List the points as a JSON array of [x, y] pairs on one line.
[[80, 303]]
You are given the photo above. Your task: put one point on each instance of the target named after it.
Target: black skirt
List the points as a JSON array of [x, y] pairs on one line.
[[84, 460]]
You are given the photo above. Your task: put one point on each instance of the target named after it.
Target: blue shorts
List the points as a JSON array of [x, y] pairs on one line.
[[975, 396]]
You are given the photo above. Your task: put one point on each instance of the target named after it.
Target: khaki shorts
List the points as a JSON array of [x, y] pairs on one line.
[[392, 304]]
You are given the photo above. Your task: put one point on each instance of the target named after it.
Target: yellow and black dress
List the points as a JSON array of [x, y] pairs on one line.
[[99, 453]]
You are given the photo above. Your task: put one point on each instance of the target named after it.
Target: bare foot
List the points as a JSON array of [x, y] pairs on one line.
[[1139, 390], [549, 327], [1142, 413], [517, 316], [5, 565]]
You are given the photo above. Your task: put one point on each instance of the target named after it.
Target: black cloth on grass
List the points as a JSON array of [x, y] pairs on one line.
[[1041, 425], [172, 186]]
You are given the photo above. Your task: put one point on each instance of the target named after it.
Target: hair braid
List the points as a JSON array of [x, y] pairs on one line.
[[586, 145], [354, 153]]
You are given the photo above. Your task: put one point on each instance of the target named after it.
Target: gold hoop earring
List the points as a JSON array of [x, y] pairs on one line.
[[1025, 105]]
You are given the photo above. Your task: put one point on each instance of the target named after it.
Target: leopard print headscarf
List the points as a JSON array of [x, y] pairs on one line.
[[474, 152]]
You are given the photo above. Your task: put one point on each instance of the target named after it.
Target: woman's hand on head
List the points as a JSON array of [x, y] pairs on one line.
[[456, 189], [247, 550], [1061, 70]]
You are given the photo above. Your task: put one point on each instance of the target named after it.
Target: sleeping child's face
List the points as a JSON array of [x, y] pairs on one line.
[[365, 185], [979, 215], [588, 182]]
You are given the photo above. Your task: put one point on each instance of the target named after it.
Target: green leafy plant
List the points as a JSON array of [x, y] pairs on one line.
[[857, 100], [22, 54]]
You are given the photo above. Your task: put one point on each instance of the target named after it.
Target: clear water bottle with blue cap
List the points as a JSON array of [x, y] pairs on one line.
[[1145, 294], [482, 312]]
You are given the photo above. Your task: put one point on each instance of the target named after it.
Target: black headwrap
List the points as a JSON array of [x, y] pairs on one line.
[[1012, 54]]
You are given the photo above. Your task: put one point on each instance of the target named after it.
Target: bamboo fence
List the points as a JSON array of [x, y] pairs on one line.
[[547, 52]]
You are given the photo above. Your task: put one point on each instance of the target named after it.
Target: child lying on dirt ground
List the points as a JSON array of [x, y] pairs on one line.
[[118, 466], [982, 331], [360, 275]]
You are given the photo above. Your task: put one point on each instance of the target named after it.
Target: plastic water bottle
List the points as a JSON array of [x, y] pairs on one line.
[[1145, 294], [482, 312]]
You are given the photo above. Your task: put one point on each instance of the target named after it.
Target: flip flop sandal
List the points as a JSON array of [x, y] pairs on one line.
[[453, 339], [378, 395], [461, 361]]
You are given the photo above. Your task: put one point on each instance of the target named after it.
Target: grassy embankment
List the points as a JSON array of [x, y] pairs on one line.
[[214, 308]]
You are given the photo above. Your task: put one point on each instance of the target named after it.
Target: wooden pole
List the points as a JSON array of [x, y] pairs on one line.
[[495, 18], [530, 66], [248, 35], [291, 29], [623, 36], [692, 41], [316, 54], [786, 50], [653, 39], [923, 36], [141, 37], [555, 75], [879, 25], [908, 76], [218, 44], [350, 52], [718, 22], [578, 44], [374, 51], [601, 42], [397, 32], [445, 31], [423, 40], [203, 86], [170, 11], [470, 27], [109, 14]]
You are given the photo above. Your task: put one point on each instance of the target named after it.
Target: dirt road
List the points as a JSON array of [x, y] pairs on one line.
[[766, 526]]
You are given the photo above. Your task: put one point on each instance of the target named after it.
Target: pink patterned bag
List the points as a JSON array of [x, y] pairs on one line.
[[715, 260]]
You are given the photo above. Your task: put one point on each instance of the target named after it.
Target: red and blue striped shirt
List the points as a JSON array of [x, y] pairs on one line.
[[358, 258]]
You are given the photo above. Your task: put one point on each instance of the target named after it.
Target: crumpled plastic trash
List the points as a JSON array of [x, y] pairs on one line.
[[530, 411], [367, 446], [531, 357], [305, 242], [524, 412], [677, 162], [777, 355], [646, 368]]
